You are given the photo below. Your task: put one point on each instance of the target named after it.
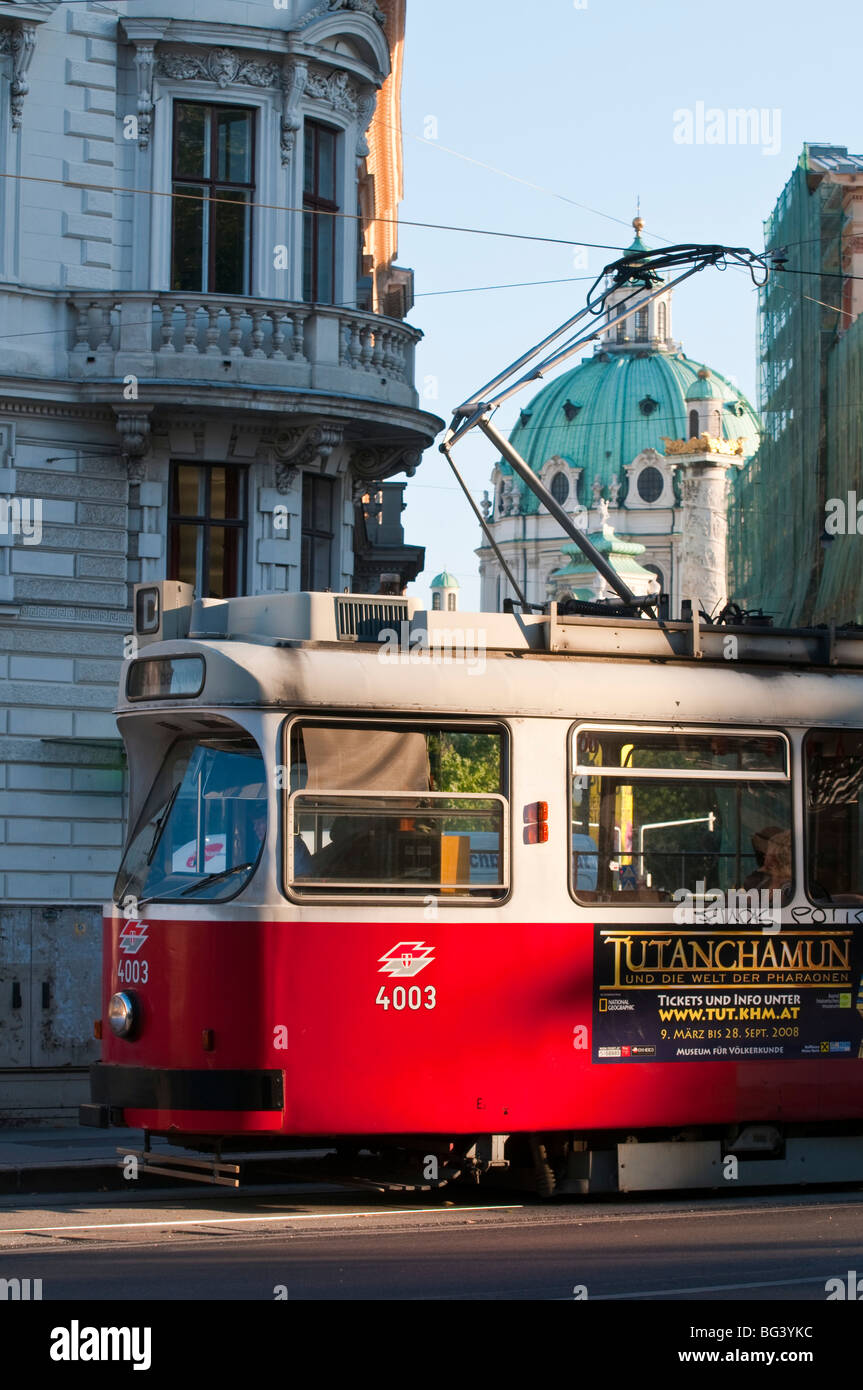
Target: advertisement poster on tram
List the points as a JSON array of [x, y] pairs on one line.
[[668, 996]]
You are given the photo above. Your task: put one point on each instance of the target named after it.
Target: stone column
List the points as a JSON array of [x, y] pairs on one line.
[[704, 526]]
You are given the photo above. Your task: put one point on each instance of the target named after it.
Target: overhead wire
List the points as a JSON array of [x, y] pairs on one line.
[[281, 207]]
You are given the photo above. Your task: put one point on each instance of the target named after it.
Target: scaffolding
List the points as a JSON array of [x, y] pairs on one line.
[[777, 506]]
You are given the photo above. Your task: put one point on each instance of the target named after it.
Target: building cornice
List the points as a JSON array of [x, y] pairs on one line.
[[363, 416], [21, 10], [53, 410]]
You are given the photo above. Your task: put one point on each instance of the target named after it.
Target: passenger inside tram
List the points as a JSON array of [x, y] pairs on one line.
[[665, 812]]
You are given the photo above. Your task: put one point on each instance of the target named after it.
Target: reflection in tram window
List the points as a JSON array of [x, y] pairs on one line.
[[834, 815], [397, 810], [654, 813], [203, 826]]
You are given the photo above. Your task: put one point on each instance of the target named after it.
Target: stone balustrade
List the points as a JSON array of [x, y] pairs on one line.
[[180, 337]]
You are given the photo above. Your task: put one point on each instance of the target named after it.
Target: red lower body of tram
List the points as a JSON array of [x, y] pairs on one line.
[[365, 1029]]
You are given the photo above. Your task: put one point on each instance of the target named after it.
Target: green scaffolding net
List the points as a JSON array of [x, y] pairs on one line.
[[781, 557]]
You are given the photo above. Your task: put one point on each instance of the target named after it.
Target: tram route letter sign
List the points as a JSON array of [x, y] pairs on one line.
[[720, 995]]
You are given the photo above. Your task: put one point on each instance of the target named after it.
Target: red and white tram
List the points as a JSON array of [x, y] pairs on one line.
[[578, 892]]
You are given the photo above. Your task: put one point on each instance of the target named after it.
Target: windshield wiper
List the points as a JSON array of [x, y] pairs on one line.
[[162, 822], [215, 878]]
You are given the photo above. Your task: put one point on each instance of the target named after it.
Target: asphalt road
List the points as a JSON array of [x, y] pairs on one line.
[[337, 1246]]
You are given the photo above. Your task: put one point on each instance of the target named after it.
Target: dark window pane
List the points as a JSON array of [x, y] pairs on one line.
[[560, 488], [323, 504], [188, 258], [326, 165], [308, 258], [326, 235], [234, 495], [322, 552], [190, 140], [309, 158], [212, 218], [234, 161], [210, 557], [234, 538], [231, 230], [650, 484], [834, 815]]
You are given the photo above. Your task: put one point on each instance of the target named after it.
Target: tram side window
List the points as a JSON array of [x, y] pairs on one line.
[[203, 826], [834, 815], [397, 810], [654, 813]]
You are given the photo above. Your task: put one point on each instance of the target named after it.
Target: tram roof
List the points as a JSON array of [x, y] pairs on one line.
[[325, 651]]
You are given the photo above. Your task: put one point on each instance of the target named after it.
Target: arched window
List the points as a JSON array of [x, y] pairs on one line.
[[560, 488], [655, 570], [450, 602], [436, 603], [662, 320], [641, 321], [717, 424], [694, 428]]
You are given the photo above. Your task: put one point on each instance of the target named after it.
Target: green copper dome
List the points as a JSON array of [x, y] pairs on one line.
[[445, 581], [600, 415]]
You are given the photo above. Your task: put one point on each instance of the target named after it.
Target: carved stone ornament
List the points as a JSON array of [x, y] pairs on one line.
[[145, 54], [335, 88], [133, 427], [295, 76], [223, 66], [369, 7], [365, 110], [19, 41], [300, 445], [374, 463]]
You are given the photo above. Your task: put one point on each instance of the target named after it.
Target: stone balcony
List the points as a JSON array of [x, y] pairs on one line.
[[248, 346], [243, 342]]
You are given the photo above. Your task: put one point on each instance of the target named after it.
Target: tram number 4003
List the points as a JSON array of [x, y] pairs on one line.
[[412, 998]]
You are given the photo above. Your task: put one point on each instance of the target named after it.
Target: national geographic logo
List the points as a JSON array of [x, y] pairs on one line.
[[645, 959]]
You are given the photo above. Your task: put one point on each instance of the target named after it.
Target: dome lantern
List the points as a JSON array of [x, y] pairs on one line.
[[444, 590], [650, 327]]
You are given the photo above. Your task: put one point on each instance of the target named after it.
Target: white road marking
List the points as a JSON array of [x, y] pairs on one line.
[[710, 1288], [238, 1220]]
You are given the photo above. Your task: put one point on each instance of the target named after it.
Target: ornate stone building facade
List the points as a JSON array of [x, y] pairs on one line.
[[204, 371], [636, 443]]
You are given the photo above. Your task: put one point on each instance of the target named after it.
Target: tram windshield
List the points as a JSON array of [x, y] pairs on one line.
[[656, 813], [834, 815], [397, 810], [203, 826]]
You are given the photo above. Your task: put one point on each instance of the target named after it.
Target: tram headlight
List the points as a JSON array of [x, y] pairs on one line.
[[122, 1014]]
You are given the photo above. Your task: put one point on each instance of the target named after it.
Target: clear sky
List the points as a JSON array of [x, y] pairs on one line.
[[584, 101]]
